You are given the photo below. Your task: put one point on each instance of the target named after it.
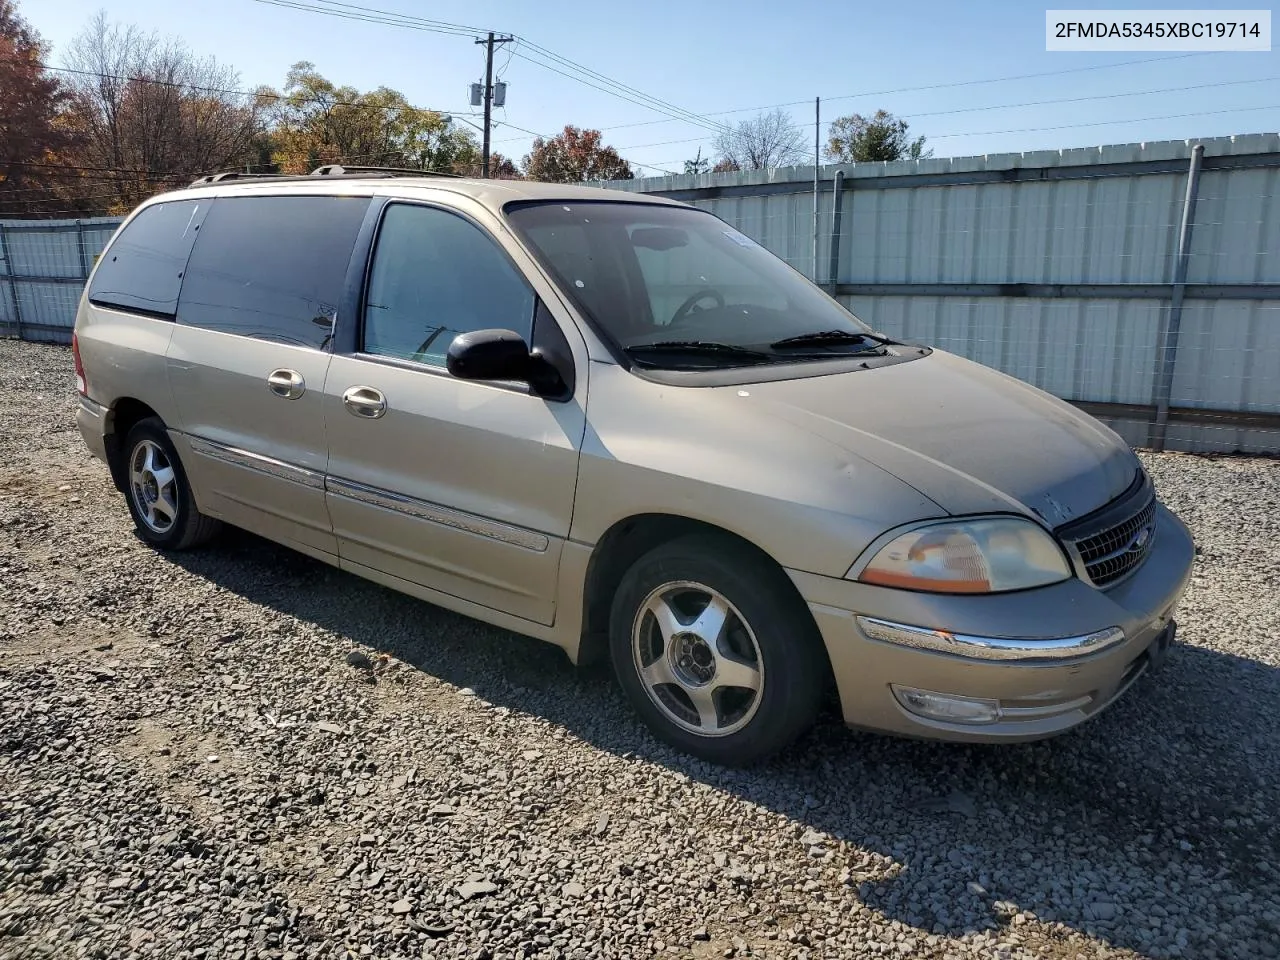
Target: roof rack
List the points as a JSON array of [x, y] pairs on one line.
[[338, 169], [233, 175], [328, 170]]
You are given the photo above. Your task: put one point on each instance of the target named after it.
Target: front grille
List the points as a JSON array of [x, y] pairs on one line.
[[1112, 553]]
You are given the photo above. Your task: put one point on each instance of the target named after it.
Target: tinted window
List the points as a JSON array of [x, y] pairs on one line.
[[436, 275], [272, 267], [143, 268]]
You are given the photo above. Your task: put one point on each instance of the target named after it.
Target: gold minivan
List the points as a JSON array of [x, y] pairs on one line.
[[615, 423]]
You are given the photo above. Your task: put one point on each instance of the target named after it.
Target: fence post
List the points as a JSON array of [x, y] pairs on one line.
[[1167, 354], [837, 207], [84, 256], [13, 284]]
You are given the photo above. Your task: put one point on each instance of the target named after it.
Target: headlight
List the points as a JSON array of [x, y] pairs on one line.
[[969, 556]]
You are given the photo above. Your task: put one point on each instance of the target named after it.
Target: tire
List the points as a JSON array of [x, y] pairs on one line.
[[693, 616], [158, 493]]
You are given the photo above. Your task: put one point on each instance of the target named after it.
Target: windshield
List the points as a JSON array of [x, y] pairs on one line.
[[685, 281]]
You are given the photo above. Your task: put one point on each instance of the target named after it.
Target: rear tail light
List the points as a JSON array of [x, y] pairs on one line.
[[82, 383]]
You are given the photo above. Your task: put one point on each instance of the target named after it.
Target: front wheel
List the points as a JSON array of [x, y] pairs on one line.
[[716, 651], [158, 493]]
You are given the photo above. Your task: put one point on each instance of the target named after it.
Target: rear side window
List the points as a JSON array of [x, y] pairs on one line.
[[272, 268], [142, 270]]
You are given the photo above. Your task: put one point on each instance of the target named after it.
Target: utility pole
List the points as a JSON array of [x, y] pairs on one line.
[[488, 96]]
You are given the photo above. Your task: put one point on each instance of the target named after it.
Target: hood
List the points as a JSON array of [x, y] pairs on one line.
[[969, 438]]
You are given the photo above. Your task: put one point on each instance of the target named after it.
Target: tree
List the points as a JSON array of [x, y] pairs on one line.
[[317, 122], [152, 115], [500, 167], [33, 127], [698, 164], [726, 166], [575, 156], [859, 139], [765, 141]]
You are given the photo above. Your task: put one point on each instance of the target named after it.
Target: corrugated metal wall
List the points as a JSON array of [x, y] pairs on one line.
[[43, 266], [1055, 267]]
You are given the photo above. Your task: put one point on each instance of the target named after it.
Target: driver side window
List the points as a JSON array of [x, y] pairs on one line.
[[673, 276], [436, 275]]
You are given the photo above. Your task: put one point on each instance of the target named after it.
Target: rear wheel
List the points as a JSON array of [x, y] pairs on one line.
[[157, 491], [716, 651]]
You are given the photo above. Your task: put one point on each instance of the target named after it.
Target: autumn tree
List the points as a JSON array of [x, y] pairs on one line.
[[153, 115], [315, 122], [33, 128], [500, 168], [765, 141], [575, 156], [859, 139]]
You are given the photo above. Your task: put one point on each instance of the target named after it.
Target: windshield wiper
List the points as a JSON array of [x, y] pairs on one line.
[[823, 338], [705, 347]]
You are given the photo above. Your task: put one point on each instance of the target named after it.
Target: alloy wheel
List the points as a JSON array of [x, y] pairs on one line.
[[153, 486], [697, 658]]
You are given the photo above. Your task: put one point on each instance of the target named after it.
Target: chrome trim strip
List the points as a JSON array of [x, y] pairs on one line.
[[256, 462], [434, 513], [989, 648], [92, 407], [1050, 710]]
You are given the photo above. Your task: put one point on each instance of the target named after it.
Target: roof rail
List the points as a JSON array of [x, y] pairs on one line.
[[233, 175], [338, 169]]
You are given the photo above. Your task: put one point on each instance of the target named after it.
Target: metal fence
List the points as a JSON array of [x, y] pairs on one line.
[[1111, 277], [43, 267]]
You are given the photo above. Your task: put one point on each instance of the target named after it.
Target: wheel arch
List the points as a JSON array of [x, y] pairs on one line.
[[621, 546], [121, 417]]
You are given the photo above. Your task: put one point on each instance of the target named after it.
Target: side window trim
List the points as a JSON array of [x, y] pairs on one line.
[[350, 323], [353, 344]]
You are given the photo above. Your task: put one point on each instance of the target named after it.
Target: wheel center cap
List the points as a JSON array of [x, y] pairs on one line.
[[695, 664]]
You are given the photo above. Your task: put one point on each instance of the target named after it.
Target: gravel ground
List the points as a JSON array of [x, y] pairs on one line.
[[244, 753]]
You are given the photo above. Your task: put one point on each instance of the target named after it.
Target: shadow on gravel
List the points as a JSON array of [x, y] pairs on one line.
[[1155, 817]]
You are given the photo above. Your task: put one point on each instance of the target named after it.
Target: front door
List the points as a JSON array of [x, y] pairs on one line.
[[462, 487]]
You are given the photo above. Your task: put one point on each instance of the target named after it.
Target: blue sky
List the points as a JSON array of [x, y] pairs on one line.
[[717, 56]]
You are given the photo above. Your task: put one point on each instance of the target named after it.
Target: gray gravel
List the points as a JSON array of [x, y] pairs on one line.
[[243, 753]]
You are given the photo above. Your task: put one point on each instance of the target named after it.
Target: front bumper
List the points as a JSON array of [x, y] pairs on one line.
[[970, 645]]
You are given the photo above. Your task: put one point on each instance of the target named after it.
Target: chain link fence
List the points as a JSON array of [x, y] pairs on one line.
[[43, 267]]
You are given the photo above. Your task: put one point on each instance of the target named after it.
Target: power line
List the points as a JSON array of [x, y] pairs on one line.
[[224, 91], [1013, 106], [349, 11], [621, 96], [112, 170], [579, 73], [1095, 123], [927, 87]]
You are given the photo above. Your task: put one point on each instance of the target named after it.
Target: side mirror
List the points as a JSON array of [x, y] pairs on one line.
[[501, 355]]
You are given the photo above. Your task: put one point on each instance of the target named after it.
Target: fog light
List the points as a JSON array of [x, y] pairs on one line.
[[944, 706]]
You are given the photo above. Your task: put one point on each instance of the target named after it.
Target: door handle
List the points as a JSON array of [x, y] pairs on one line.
[[365, 402], [286, 383]]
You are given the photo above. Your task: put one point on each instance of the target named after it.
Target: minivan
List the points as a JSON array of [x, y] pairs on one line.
[[615, 423]]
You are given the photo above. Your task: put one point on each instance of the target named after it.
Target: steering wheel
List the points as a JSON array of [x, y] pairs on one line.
[[686, 308]]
